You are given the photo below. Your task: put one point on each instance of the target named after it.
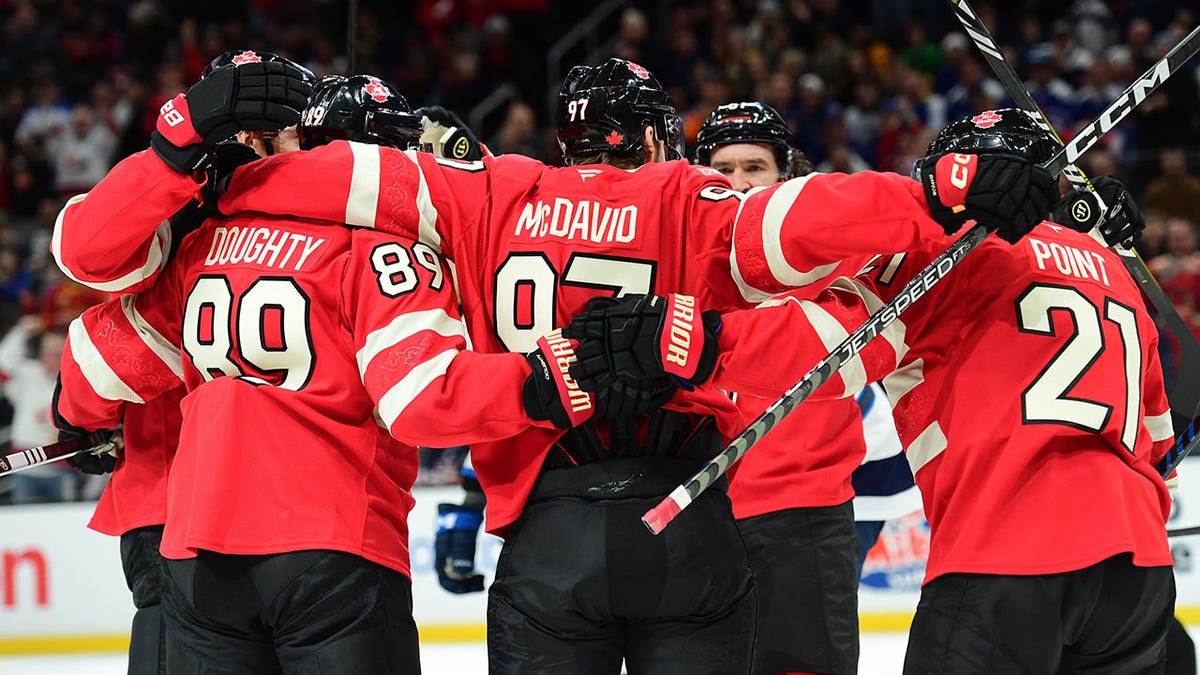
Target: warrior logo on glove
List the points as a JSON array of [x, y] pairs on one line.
[[677, 339]]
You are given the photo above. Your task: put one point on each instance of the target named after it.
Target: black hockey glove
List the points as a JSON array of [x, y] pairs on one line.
[[1123, 221], [227, 156], [446, 135], [102, 458], [550, 393], [1004, 193], [250, 97], [105, 450], [616, 396], [644, 337]]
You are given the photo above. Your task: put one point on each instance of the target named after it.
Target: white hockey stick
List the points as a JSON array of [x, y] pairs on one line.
[[97, 442]]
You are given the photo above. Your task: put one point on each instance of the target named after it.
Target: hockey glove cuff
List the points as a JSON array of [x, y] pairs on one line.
[[550, 392], [644, 337], [100, 459], [445, 135], [1004, 193], [233, 98]]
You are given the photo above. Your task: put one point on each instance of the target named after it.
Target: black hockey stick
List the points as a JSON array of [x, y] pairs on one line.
[[658, 517], [1185, 442], [1183, 531], [662, 514], [1185, 395], [19, 461]]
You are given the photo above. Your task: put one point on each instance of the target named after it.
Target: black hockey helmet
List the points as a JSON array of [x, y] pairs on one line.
[[604, 109], [361, 108], [746, 122], [240, 57], [1008, 130]]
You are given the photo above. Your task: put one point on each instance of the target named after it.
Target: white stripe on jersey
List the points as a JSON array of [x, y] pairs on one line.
[[832, 333], [155, 260], [1160, 426], [927, 445], [895, 332], [772, 225], [363, 199], [427, 229], [403, 392], [163, 348], [903, 380], [95, 370], [403, 327]]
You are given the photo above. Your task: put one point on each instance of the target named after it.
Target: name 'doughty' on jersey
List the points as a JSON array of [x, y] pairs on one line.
[[266, 246], [578, 221]]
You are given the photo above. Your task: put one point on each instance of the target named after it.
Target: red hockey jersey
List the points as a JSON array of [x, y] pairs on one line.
[[1027, 389], [532, 243], [302, 347], [807, 460], [115, 238]]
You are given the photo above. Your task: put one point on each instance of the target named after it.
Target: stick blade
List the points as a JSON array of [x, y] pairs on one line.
[[657, 518]]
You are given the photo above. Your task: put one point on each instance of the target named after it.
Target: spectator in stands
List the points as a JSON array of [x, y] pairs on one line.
[[46, 117], [1052, 94], [82, 153], [518, 134], [1175, 191], [28, 384], [1178, 270]]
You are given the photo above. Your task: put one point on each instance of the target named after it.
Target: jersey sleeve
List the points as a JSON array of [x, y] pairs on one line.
[[115, 238], [794, 234], [411, 353], [122, 350], [405, 193], [807, 330]]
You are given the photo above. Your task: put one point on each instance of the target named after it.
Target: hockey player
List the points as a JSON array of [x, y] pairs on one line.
[[532, 244], [116, 238], [1030, 400], [792, 496], [292, 554]]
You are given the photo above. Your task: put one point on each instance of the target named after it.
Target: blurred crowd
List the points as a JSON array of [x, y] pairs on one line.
[[864, 85]]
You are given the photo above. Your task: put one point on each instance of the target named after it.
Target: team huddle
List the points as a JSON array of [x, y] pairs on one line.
[[311, 279]]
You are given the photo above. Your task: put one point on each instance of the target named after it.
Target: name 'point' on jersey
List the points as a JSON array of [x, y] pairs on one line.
[[1049, 379]]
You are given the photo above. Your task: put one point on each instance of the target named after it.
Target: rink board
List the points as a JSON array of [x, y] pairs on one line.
[[62, 590]]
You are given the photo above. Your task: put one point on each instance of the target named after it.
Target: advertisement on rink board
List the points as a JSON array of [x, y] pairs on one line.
[[62, 589]]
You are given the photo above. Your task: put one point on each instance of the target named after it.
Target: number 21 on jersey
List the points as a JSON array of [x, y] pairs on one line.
[[1047, 399]]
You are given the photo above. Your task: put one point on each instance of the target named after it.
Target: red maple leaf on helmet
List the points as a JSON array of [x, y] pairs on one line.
[[246, 57], [639, 71], [986, 120], [377, 91], [614, 138]]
